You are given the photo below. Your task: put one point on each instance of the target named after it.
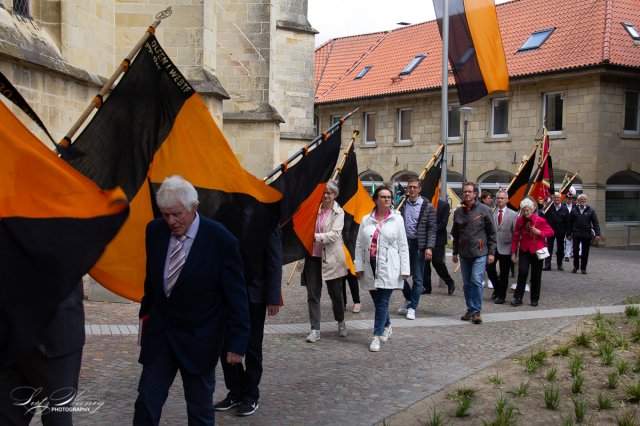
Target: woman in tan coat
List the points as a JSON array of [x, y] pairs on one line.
[[327, 262]]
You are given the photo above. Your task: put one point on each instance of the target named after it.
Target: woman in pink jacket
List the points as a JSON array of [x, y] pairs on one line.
[[530, 234]]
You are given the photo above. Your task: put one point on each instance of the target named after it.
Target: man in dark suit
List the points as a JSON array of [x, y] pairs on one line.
[[442, 218], [582, 220], [47, 377], [505, 220], [264, 298], [194, 292], [556, 216]]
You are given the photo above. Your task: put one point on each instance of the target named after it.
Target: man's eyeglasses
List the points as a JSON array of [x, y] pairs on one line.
[[468, 192], [412, 187]]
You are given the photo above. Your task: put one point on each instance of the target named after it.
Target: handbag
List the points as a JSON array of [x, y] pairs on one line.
[[542, 253]]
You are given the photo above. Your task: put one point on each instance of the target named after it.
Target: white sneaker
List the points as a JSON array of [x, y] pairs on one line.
[[386, 334], [314, 336], [513, 286], [411, 314], [403, 309], [489, 284], [342, 329], [375, 344], [526, 288]]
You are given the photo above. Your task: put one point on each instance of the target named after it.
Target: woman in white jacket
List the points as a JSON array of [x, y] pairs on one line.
[[327, 262], [381, 260]]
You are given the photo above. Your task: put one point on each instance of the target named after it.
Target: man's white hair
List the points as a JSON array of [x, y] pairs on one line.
[[177, 190]]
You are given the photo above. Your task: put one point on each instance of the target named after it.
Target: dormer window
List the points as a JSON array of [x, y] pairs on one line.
[[536, 40], [631, 29], [363, 72], [413, 64]]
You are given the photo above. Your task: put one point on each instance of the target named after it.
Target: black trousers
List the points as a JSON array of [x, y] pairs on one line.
[[438, 264], [560, 252], [354, 288], [58, 379], [580, 260], [528, 260], [501, 282], [242, 380]]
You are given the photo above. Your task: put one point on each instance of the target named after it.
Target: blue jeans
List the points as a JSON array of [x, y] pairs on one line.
[[416, 259], [381, 297], [472, 269]]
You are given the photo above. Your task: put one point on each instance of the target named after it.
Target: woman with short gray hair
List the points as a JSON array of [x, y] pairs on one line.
[[530, 235]]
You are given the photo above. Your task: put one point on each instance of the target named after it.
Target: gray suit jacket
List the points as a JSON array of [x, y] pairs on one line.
[[505, 229]]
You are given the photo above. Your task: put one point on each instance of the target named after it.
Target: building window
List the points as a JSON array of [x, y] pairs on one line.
[[552, 112], [413, 64], [631, 113], [453, 129], [495, 180], [404, 125], [631, 30], [21, 8], [536, 40], [500, 118], [335, 119], [622, 198], [371, 180], [370, 128], [363, 72]]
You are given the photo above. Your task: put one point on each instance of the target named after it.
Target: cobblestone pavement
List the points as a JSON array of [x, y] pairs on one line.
[[337, 380]]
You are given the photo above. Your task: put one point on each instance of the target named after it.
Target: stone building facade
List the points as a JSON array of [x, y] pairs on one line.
[[591, 108], [251, 61]]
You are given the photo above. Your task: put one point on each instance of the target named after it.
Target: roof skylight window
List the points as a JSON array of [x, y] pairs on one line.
[[536, 39], [631, 30], [413, 64], [363, 72]]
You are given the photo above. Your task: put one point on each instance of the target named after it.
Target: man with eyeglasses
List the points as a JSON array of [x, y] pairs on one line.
[[474, 244], [582, 226], [420, 226]]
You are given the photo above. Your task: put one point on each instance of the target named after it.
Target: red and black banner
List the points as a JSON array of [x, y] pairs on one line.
[[356, 203], [542, 186], [476, 53], [519, 186], [154, 125], [302, 186], [54, 225]]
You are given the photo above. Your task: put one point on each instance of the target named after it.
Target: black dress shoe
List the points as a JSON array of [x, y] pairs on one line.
[[451, 288], [426, 291], [534, 303], [493, 296], [560, 268], [574, 270], [546, 268], [499, 301], [516, 302], [584, 272]]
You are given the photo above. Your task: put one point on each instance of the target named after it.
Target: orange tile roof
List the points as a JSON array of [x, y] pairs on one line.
[[587, 33]]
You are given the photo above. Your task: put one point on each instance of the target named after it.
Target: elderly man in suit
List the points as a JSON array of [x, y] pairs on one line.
[[582, 220], [194, 292], [505, 220]]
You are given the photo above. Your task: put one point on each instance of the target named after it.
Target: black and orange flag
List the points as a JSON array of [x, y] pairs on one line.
[[518, 187], [476, 53], [302, 186], [356, 203], [54, 225], [431, 181], [542, 185], [154, 125]]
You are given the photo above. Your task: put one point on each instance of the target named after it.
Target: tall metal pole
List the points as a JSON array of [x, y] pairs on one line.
[[444, 119], [465, 113]]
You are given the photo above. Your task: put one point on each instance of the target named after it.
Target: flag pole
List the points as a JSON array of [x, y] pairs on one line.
[[282, 167], [338, 169], [444, 116], [422, 174], [96, 102]]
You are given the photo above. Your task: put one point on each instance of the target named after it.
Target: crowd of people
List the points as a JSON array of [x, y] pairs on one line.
[[192, 258]]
